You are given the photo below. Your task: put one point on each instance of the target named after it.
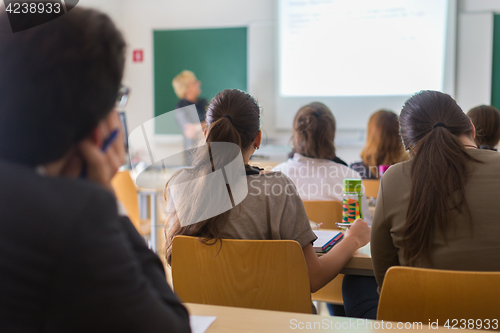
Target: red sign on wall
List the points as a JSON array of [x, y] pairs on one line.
[[138, 56]]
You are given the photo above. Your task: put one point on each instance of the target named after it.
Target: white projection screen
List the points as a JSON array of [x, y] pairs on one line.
[[358, 56]]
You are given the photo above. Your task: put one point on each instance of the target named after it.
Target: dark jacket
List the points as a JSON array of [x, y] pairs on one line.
[[69, 263]]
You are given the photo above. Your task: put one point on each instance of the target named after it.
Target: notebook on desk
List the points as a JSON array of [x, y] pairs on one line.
[[326, 240]]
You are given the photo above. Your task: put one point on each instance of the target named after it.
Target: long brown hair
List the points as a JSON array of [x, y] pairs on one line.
[[314, 131], [486, 118], [383, 142], [431, 123], [232, 116]]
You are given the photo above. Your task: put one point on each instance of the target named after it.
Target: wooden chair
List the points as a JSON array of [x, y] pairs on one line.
[[126, 193], [371, 187], [259, 274], [415, 294], [324, 211], [331, 293], [327, 212]]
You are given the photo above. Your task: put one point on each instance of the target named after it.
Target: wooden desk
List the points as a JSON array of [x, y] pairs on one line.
[[243, 320], [360, 263]]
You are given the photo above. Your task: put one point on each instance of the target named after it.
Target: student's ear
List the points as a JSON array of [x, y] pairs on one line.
[[258, 139]]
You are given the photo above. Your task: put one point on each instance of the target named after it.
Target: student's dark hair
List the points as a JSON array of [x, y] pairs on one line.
[[431, 123], [57, 81], [232, 116], [314, 131], [486, 119]]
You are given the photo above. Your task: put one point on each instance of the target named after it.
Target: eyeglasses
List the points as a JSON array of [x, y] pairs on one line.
[[122, 97]]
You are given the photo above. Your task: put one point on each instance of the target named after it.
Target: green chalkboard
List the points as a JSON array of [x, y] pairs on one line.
[[218, 57], [495, 75]]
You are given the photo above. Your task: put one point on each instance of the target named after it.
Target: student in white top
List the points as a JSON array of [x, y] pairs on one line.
[[318, 174], [313, 166]]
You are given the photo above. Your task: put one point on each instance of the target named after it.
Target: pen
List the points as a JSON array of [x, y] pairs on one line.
[[109, 140], [105, 145], [343, 225]]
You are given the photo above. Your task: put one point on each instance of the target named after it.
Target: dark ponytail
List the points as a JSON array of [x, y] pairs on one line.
[[232, 116], [314, 131], [430, 124], [223, 130]]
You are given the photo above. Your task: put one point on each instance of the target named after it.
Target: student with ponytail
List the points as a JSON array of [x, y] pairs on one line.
[[319, 174], [313, 165], [439, 209], [272, 208]]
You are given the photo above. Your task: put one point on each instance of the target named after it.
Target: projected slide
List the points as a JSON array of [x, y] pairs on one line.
[[361, 47]]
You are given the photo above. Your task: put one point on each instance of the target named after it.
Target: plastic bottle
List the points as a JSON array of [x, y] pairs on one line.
[[351, 200]]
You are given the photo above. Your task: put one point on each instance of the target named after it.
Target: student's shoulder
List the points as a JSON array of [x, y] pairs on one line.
[[272, 177], [52, 207], [486, 156], [336, 159], [397, 174], [357, 164], [489, 162], [345, 171], [282, 166], [52, 191], [79, 199], [270, 174]]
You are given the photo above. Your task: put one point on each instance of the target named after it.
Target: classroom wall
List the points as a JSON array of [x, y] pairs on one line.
[[138, 19], [142, 17]]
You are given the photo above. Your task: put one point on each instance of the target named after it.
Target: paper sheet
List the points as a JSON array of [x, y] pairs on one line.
[[199, 324]]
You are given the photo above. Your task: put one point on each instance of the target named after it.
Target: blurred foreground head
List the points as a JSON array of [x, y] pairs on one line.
[[57, 81]]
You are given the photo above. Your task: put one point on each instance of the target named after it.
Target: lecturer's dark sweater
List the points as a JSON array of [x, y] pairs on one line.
[[69, 263]]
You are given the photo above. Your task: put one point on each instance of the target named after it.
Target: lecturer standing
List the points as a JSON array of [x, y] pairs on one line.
[[187, 89]]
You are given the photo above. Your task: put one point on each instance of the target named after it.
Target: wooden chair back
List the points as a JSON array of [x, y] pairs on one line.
[[126, 193], [415, 294], [371, 187], [324, 211], [259, 274], [327, 212], [331, 293]]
